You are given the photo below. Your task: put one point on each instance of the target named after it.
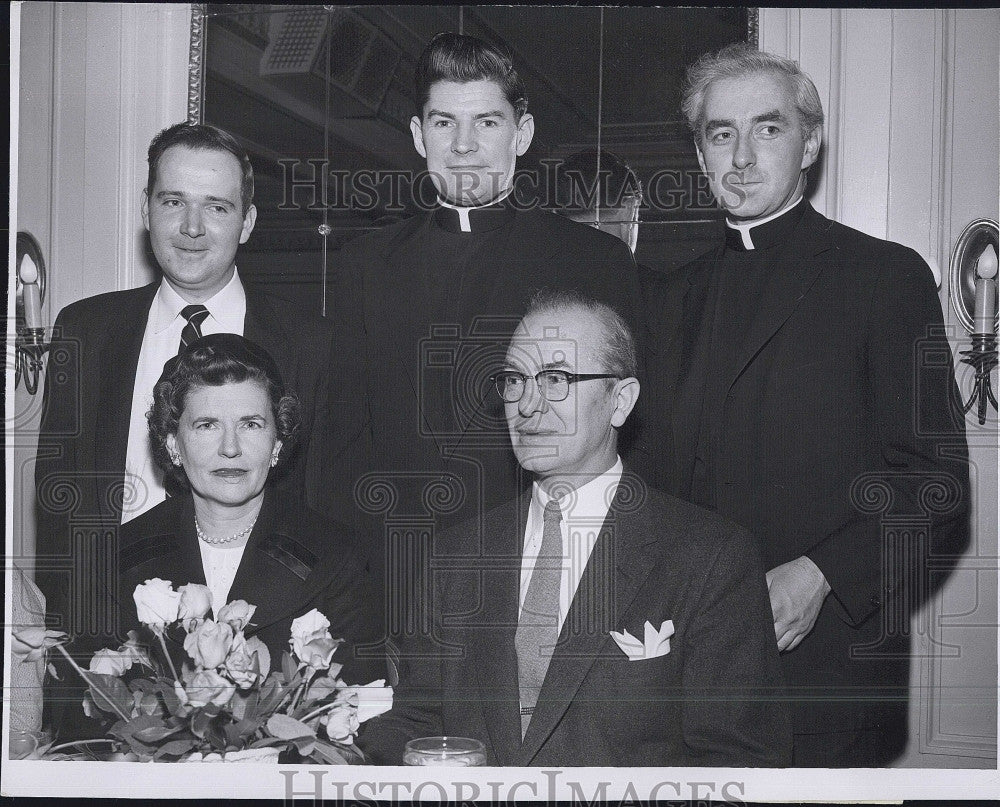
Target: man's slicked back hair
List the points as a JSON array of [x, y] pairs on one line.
[[456, 57]]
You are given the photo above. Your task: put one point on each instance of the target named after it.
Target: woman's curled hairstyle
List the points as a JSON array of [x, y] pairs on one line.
[[212, 361]]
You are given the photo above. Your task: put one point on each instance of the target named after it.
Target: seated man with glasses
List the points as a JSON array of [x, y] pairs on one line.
[[593, 621]]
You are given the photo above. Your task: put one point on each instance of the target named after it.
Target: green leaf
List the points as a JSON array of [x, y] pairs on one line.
[[233, 736], [155, 733], [268, 742], [269, 702], [238, 706], [322, 688], [136, 724], [288, 728], [175, 748], [109, 692], [324, 752], [246, 728], [288, 667], [200, 723], [169, 695], [249, 703]]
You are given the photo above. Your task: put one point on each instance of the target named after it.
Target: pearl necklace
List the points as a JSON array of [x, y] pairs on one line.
[[218, 541]]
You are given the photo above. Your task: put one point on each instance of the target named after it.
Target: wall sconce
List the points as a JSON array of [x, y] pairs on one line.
[[30, 345], [974, 297]]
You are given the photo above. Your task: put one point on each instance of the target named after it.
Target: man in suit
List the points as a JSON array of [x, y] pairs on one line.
[[593, 620], [94, 469], [816, 407], [433, 299]]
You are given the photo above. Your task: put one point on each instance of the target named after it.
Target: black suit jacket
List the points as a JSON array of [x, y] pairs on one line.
[[421, 358], [90, 379], [840, 441], [714, 699]]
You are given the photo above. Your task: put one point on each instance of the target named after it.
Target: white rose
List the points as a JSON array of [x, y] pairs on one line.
[[156, 603], [207, 686], [209, 644], [196, 601], [318, 652], [111, 662], [341, 722], [310, 623], [309, 628], [237, 614], [240, 665]]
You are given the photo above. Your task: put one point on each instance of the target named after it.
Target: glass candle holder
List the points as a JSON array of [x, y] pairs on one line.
[[458, 752], [24, 743]]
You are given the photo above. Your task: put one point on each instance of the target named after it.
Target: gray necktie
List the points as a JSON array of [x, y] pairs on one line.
[[538, 625]]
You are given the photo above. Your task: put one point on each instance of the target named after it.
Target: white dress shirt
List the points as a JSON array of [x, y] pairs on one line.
[[226, 313], [584, 512]]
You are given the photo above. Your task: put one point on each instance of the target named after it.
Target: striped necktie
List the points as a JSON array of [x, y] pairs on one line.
[[195, 315], [538, 625]]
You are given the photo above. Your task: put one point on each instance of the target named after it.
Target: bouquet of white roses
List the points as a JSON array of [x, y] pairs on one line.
[[227, 703]]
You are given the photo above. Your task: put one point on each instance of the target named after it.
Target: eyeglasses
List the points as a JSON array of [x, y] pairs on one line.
[[552, 384]]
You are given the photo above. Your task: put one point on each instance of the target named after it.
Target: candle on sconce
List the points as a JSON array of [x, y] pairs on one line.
[[986, 291], [28, 273]]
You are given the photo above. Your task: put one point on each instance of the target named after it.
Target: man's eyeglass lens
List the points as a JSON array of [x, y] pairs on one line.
[[552, 384]]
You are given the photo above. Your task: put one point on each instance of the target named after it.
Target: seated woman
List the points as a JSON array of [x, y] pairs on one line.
[[221, 427]]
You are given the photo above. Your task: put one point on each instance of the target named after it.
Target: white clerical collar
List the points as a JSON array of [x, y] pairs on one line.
[[744, 229], [589, 501], [227, 306], [463, 212]]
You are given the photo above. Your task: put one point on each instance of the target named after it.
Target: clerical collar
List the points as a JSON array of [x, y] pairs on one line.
[[481, 218], [767, 232]]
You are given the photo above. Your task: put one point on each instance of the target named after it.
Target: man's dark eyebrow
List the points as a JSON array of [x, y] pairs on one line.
[[164, 193], [493, 113], [556, 365], [774, 115], [720, 123]]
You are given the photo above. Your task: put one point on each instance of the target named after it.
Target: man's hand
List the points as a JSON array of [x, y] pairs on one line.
[[797, 590]]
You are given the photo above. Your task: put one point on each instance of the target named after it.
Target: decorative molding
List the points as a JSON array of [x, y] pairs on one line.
[[753, 32], [196, 64]]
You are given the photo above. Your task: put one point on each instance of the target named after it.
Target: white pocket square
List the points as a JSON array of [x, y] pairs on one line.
[[656, 644]]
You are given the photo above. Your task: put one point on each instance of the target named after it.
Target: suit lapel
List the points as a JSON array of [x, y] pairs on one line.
[[276, 571], [492, 650], [169, 550], [119, 361], [617, 568], [262, 326], [789, 280]]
